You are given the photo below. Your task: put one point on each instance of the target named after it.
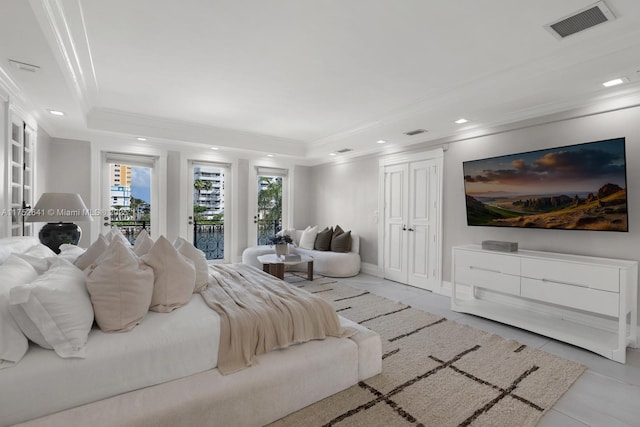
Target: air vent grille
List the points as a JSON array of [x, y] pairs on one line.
[[415, 132], [582, 20], [24, 66], [344, 150]]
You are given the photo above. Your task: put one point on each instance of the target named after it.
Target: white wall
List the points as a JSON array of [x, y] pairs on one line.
[[68, 170], [346, 194], [41, 168], [303, 198]]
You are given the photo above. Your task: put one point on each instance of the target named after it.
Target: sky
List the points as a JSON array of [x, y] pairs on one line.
[[567, 170], [141, 183]]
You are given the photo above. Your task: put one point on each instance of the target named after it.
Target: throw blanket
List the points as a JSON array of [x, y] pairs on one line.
[[259, 313]]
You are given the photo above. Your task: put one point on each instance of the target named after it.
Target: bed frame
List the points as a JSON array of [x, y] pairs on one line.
[[282, 382]]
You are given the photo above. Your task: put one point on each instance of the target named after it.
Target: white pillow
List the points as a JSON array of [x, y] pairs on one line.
[[70, 252], [39, 256], [15, 244], [115, 233], [13, 344], [94, 251], [41, 265], [199, 260], [120, 287], [54, 310], [143, 243], [175, 276], [308, 238], [39, 251]]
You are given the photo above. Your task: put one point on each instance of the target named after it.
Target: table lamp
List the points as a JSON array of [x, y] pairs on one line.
[[58, 210]]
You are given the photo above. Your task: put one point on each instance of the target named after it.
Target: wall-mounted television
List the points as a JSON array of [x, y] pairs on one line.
[[575, 187]]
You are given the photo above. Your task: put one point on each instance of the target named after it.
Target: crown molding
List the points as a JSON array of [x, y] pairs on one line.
[[65, 30], [157, 127], [9, 85]]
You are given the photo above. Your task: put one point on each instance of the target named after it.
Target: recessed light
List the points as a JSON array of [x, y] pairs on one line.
[[214, 148], [332, 154], [461, 121], [269, 155], [56, 112], [141, 138], [615, 82], [381, 141]]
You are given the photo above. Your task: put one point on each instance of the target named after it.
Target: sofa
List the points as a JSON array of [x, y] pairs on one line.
[[164, 371], [325, 262]]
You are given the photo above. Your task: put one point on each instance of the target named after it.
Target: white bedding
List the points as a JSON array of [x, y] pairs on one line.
[[165, 346]]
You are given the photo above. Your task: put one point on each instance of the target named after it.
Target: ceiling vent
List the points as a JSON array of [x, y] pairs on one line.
[[344, 150], [415, 132], [581, 20], [24, 66]]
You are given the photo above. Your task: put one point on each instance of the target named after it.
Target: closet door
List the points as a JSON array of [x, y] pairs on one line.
[[411, 252], [396, 206], [421, 224]]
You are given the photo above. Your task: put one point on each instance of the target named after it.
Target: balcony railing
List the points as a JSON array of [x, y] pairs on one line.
[[131, 228], [266, 230], [208, 236]]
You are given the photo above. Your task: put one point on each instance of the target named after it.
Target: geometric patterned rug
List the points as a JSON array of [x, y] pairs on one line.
[[435, 372]]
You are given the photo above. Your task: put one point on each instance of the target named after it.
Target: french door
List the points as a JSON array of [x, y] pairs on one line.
[[207, 220], [411, 225], [128, 194], [270, 203]]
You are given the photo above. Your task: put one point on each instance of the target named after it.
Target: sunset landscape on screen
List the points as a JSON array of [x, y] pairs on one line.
[[572, 187]]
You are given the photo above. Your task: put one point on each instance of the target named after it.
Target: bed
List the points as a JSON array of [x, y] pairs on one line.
[[164, 372]]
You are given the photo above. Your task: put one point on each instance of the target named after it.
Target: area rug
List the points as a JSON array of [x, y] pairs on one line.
[[435, 372]]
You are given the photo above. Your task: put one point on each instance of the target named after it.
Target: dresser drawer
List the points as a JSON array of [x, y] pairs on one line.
[[592, 276], [486, 270], [581, 298]]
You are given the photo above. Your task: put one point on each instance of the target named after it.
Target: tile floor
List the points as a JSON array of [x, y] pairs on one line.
[[606, 395]]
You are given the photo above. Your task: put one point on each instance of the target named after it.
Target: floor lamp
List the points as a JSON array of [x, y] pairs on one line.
[[59, 211]]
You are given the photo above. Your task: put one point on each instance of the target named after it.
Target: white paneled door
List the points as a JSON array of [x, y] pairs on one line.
[[411, 252]]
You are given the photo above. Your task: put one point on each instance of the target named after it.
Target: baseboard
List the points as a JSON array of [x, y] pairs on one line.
[[444, 289], [372, 269]]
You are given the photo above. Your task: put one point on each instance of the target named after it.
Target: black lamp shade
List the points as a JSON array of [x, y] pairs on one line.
[[54, 234]]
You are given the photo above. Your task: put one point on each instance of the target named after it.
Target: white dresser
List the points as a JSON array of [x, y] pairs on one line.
[[586, 301]]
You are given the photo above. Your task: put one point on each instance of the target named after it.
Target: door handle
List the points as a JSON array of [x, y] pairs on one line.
[[411, 229], [404, 227]]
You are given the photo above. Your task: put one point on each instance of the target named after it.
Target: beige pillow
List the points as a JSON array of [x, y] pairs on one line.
[[120, 287], [92, 253], [143, 243], [199, 261], [116, 234], [175, 276]]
